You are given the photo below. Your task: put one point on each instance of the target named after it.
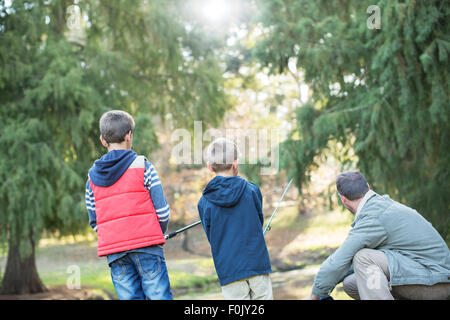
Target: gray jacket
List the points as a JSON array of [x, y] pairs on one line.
[[416, 252]]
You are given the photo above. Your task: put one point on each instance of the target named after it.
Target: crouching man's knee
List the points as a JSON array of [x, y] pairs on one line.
[[350, 287], [372, 274]]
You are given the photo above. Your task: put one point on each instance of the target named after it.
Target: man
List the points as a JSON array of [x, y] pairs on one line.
[[391, 250]]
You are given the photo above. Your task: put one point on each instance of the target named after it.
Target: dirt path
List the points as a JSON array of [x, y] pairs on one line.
[[63, 293], [289, 285]]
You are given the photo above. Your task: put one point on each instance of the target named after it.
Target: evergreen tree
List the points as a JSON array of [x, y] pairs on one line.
[[382, 91], [61, 67]]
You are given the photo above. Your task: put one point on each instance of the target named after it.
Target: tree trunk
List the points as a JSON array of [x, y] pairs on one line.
[[21, 275]]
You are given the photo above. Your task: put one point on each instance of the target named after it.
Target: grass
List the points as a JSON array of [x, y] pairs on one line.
[[94, 272], [55, 257], [321, 230], [54, 263], [99, 277], [89, 277]]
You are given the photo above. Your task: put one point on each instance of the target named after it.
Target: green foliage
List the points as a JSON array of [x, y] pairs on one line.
[[387, 89], [252, 171], [55, 83]]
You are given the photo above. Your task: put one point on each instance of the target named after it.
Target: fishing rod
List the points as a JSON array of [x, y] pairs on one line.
[[174, 233], [278, 205]]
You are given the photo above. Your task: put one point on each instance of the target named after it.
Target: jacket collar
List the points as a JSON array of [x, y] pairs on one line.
[[369, 194]]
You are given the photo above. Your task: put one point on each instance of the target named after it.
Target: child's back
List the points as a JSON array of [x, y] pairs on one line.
[[129, 212], [231, 213], [125, 215]]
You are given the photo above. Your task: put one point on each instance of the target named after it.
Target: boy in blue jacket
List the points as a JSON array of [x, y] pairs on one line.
[[231, 213]]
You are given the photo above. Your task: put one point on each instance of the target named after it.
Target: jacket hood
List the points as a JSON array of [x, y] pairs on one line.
[[109, 168], [225, 191]]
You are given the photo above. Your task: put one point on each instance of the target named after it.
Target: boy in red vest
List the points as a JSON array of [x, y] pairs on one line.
[[128, 210]]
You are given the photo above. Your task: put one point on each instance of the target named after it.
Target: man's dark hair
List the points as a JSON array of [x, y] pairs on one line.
[[115, 124], [352, 185]]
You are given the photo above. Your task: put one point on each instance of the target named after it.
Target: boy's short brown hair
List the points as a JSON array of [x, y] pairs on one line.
[[221, 154], [115, 124]]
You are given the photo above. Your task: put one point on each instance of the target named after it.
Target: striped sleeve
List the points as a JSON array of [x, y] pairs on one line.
[[90, 206], [153, 185]]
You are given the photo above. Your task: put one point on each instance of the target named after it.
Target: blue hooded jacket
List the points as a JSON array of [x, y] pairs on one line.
[[109, 168], [231, 213]]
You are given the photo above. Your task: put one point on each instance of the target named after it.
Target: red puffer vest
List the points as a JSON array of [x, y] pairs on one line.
[[126, 218]]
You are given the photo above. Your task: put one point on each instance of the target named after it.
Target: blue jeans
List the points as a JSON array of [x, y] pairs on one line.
[[140, 276]]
